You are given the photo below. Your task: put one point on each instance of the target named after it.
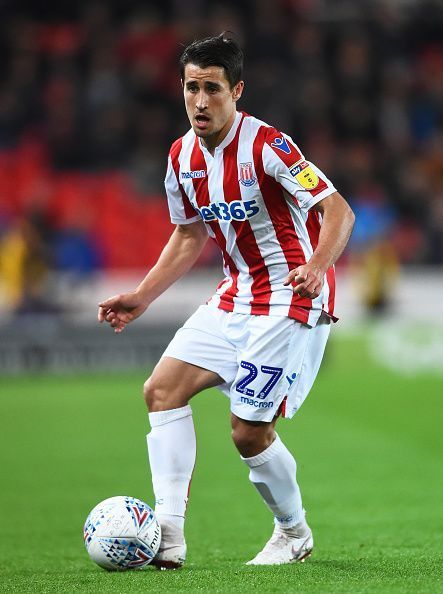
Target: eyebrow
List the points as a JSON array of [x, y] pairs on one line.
[[207, 83]]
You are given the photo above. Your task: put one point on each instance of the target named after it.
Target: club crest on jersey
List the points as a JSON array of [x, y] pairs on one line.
[[282, 145], [305, 175], [247, 174]]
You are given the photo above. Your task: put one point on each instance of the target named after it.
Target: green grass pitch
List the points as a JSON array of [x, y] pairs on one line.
[[368, 445]]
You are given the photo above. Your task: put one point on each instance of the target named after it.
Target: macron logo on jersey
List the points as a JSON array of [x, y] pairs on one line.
[[193, 174], [282, 145]]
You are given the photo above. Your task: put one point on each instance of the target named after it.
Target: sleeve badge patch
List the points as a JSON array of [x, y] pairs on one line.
[[281, 144], [305, 175]]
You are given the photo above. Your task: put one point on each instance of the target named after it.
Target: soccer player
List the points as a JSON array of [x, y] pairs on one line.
[[280, 225]]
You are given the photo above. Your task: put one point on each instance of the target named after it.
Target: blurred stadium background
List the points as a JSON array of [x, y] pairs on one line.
[[90, 101]]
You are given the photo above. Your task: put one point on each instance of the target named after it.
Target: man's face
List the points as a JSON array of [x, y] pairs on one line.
[[210, 102]]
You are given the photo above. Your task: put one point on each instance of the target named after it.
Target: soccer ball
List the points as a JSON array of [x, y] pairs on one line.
[[122, 533]]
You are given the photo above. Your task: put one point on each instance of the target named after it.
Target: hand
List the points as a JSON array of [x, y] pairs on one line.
[[307, 280], [118, 311]]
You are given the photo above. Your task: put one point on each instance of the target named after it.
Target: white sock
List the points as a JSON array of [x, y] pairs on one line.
[[273, 474], [172, 450]]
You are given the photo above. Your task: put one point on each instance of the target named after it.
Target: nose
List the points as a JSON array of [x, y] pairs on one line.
[[202, 101]]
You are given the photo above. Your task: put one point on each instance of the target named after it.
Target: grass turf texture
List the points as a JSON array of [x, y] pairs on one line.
[[366, 441]]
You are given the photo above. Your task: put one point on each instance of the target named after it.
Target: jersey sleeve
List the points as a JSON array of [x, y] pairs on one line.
[[181, 210], [283, 160]]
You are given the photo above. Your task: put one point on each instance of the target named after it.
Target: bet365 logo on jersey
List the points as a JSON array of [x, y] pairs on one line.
[[237, 210]]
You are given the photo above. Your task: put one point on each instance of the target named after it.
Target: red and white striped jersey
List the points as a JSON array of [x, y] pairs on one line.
[[255, 195]]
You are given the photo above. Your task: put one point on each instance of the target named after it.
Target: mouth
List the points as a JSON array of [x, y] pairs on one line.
[[202, 121]]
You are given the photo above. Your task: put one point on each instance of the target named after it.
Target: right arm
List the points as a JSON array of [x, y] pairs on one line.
[[177, 258]]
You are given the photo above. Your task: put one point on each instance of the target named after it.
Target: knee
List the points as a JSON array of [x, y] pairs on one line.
[[251, 440], [160, 393], [155, 395]]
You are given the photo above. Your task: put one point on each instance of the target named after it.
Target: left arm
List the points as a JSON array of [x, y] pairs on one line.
[[337, 223]]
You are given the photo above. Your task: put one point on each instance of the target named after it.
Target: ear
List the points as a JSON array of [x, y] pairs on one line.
[[182, 83], [238, 90]]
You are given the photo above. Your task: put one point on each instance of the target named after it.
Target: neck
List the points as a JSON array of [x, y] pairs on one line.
[[212, 142]]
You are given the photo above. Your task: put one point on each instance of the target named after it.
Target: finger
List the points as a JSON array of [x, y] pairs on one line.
[[309, 291], [303, 289], [119, 327], [104, 307], [125, 317], [116, 319], [299, 290], [288, 280], [110, 317], [294, 277], [105, 304], [103, 313], [300, 283], [111, 303]]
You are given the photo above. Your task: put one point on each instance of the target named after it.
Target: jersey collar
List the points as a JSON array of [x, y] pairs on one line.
[[229, 136]]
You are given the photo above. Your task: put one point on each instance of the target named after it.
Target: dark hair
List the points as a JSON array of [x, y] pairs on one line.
[[221, 51]]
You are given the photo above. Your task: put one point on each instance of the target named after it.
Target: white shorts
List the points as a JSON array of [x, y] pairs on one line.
[[268, 363]]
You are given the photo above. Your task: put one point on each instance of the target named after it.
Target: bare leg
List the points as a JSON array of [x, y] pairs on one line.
[[250, 437], [173, 383]]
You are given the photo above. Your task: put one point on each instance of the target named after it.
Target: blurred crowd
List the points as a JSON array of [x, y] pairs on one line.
[[93, 88]]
